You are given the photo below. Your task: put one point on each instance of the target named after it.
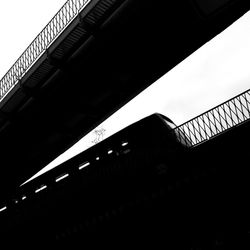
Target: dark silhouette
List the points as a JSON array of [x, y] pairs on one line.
[[109, 52], [132, 189]]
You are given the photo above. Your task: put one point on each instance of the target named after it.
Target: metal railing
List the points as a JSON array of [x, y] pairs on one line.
[[40, 44], [215, 121]]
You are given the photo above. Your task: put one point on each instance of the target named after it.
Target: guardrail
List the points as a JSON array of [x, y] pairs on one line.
[[40, 44], [215, 121]]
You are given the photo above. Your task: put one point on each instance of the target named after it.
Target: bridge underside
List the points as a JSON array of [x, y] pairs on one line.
[[195, 199], [136, 44]]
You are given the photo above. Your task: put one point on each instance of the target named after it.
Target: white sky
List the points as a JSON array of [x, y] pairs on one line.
[[20, 22], [214, 73]]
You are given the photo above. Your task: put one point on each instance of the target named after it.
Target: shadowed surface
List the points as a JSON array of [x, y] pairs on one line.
[[137, 43]]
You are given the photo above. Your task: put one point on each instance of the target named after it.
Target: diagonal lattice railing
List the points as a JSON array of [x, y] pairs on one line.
[[215, 121], [40, 44]]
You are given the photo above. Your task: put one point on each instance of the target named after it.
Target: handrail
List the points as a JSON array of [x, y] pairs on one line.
[[216, 120], [40, 44]]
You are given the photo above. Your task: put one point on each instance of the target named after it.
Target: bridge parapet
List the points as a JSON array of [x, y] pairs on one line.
[[216, 120], [68, 12]]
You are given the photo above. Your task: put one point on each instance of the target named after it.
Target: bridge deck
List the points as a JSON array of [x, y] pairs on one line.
[[194, 198]]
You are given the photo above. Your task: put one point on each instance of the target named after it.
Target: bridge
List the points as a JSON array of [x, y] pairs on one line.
[[131, 185], [92, 58]]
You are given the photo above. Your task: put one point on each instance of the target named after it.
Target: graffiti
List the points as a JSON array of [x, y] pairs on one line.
[[99, 135]]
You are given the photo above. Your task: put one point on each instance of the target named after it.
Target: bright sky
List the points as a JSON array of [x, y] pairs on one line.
[[214, 73], [20, 22]]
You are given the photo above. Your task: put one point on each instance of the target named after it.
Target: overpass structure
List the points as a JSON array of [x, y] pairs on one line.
[[226, 118], [188, 185], [92, 58]]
